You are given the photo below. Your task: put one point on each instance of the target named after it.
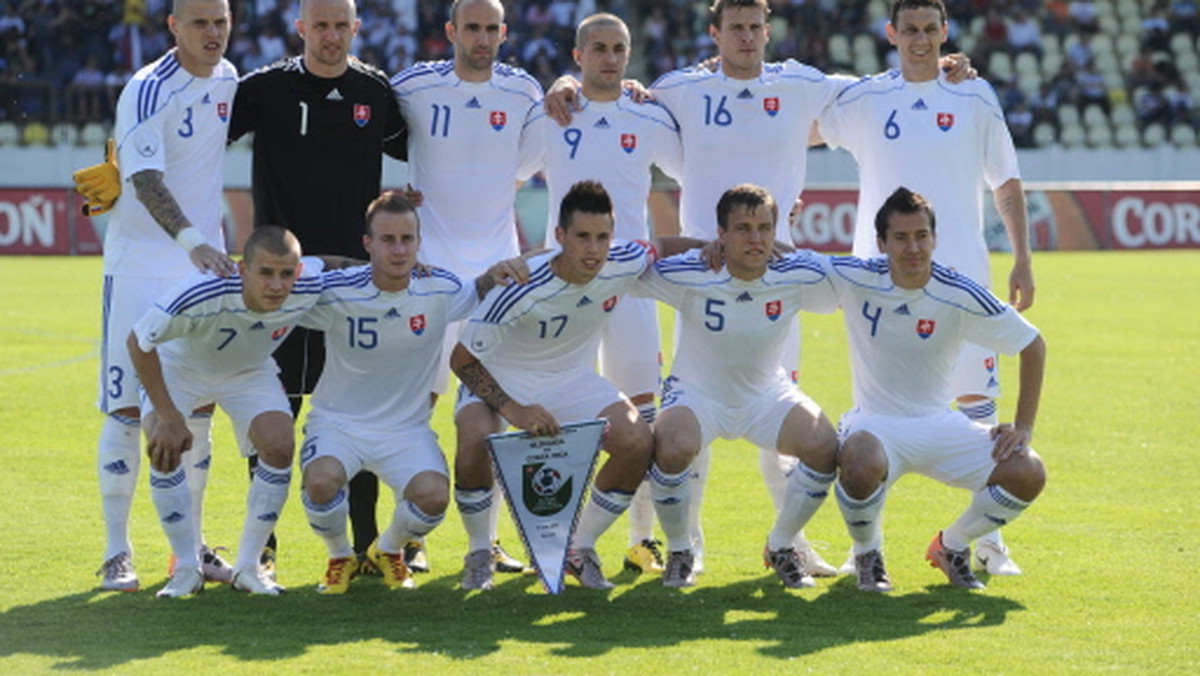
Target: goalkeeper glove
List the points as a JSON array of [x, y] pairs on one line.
[[100, 184]]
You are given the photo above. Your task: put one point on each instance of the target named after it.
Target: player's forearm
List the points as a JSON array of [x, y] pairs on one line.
[[477, 378], [158, 200], [1010, 204], [1033, 368], [149, 371], [677, 244]]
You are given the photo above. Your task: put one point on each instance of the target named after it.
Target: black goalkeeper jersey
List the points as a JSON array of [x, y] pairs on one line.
[[318, 149]]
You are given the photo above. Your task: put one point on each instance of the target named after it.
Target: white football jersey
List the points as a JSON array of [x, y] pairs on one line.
[[731, 331], [204, 326], [465, 156], [613, 142], [744, 131], [172, 122], [549, 326], [382, 348], [904, 342], [948, 142]]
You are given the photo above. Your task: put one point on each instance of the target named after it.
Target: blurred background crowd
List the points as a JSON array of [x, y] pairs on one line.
[[1079, 73]]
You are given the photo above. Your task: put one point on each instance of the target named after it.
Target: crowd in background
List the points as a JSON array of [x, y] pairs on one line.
[[66, 60]]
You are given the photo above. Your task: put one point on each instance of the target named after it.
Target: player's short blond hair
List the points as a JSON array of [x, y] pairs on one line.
[[599, 20], [390, 202], [270, 238]]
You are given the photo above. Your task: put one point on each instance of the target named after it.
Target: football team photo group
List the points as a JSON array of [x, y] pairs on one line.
[[599, 336], [362, 302]]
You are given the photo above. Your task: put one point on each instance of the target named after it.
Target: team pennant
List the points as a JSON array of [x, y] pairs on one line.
[[544, 481]]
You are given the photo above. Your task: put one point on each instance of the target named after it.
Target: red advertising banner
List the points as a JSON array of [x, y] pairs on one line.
[[47, 221], [44, 221], [1059, 220]]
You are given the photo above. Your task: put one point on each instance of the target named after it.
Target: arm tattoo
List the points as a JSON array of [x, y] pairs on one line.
[[158, 200], [481, 383]]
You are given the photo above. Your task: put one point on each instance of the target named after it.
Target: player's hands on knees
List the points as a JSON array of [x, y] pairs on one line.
[[957, 67], [562, 101], [167, 439], [533, 419], [1010, 441], [208, 259]]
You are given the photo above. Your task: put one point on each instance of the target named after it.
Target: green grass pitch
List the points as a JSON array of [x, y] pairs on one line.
[[1109, 550]]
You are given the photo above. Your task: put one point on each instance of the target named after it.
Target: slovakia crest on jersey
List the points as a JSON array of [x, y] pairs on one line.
[[774, 308], [945, 121], [925, 328], [610, 303], [629, 143], [279, 332], [223, 110], [990, 364], [362, 114], [771, 105], [417, 324], [497, 118]]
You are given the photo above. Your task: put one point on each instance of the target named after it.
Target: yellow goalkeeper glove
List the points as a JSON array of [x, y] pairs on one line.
[[100, 184]]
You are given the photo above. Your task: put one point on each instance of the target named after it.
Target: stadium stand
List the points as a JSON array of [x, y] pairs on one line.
[[1133, 61]]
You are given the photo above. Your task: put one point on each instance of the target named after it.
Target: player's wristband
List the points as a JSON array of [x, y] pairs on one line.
[[190, 238]]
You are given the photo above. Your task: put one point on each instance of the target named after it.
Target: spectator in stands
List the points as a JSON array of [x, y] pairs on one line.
[[995, 33], [12, 26], [1084, 17], [1153, 107], [1081, 53], [1020, 124], [1156, 30], [1181, 105], [87, 95], [1092, 90], [1025, 33], [271, 44], [1141, 70], [1185, 16], [1056, 17], [1044, 104], [254, 59]]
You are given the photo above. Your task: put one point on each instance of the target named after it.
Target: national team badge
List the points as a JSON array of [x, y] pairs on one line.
[[417, 324], [774, 308], [362, 114], [279, 332], [497, 118], [990, 364], [925, 328], [223, 110], [945, 121], [610, 303], [629, 143], [771, 105]]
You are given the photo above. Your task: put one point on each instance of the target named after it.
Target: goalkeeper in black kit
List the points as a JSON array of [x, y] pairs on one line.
[[322, 122]]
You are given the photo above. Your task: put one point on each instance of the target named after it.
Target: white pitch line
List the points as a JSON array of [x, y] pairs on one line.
[[95, 351]]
